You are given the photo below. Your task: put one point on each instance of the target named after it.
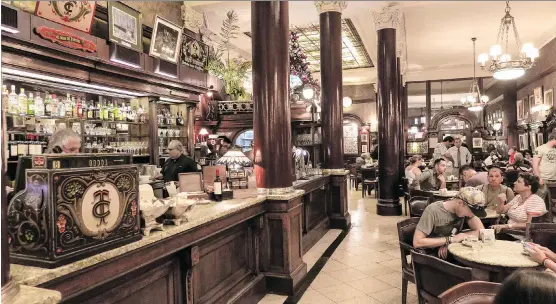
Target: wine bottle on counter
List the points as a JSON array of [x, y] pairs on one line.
[[217, 187]]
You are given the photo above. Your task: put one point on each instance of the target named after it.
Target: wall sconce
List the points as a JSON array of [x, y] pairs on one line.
[[203, 132], [347, 101], [210, 92]]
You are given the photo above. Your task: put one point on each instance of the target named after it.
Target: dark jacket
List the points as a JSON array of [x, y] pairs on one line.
[[173, 167]]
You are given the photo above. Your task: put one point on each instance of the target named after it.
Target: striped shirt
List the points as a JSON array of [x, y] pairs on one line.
[[518, 212]]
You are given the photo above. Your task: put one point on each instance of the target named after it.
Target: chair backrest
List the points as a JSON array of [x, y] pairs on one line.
[[433, 276], [510, 176], [543, 234], [475, 292], [369, 173], [406, 230], [421, 193], [352, 169], [417, 205]]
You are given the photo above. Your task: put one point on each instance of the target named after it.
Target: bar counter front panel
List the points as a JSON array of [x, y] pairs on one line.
[[219, 256]]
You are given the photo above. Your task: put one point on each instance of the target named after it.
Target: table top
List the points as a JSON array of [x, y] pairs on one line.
[[448, 194], [499, 253]]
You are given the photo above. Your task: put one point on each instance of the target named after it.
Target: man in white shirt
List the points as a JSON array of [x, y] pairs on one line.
[[458, 155], [442, 148], [544, 163]]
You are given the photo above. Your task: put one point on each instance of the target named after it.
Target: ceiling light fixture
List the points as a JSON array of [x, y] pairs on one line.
[[473, 100], [502, 66]]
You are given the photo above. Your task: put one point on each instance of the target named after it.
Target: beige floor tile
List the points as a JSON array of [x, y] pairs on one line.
[[412, 289], [341, 292], [333, 265], [324, 280], [270, 298], [394, 279], [339, 254], [369, 285], [393, 296], [375, 269], [360, 300], [395, 264], [347, 275], [314, 297]]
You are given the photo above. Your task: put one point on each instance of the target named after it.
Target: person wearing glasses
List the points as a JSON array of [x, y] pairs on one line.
[[64, 141], [177, 163]]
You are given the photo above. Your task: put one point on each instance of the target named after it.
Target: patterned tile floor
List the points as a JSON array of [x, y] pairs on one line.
[[365, 268]]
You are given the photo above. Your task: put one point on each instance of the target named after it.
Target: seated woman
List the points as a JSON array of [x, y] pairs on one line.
[[519, 164], [494, 189], [412, 172], [524, 207], [492, 159], [527, 287]]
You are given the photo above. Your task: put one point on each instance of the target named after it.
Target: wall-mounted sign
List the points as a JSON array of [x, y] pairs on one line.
[[68, 40], [166, 40], [125, 26], [194, 53], [76, 14]]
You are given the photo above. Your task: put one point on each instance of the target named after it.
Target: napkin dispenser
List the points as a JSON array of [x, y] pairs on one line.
[[487, 235]]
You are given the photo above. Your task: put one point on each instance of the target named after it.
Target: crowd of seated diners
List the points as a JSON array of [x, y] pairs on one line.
[[514, 190]]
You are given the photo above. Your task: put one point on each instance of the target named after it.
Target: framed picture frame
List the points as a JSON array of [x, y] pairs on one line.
[[477, 143], [364, 148], [523, 142], [194, 53], [537, 92], [520, 113], [166, 40], [75, 14], [364, 137], [531, 104], [125, 26], [534, 140], [540, 139], [549, 98]]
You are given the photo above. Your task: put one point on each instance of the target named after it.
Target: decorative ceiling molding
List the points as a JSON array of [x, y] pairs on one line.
[[330, 6], [387, 19], [192, 20]]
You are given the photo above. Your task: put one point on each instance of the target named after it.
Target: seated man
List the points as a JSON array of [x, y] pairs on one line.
[[494, 191], [471, 178], [442, 221], [434, 179]]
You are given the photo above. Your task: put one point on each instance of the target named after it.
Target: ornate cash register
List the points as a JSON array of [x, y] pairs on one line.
[[71, 206]]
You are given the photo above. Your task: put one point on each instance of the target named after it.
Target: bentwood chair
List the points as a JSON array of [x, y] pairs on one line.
[[434, 276], [369, 181], [406, 196], [543, 234], [406, 230], [475, 292]]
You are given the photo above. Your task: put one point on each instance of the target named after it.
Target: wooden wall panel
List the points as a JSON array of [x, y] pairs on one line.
[[276, 240]]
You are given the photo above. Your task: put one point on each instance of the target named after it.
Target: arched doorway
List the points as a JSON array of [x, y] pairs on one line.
[[245, 139], [458, 121]]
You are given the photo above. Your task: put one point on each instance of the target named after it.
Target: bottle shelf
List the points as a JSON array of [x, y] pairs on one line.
[[29, 133], [171, 126]]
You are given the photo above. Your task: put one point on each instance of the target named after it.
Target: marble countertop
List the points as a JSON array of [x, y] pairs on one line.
[[199, 215], [301, 182], [34, 295]]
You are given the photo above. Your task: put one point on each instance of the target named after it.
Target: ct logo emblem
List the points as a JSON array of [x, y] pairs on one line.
[[100, 209]]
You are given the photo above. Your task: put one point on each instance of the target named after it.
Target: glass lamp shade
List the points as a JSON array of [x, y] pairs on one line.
[[347, 101], [483, 58], [509, 73], [308, 92], [203, 132], [234, 159], [495, 50]]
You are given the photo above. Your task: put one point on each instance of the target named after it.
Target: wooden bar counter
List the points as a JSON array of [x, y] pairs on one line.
[[222, 254]]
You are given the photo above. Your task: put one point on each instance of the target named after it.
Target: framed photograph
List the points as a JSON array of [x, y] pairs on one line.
[[549, 98], [364, 137], [166, 40], [523, 142], [477, 142], [520, 108], [194, 53], [533, 138], [531, 104], [540, 139], [364, 148], [538, 96], [125, 26], [75, 14]]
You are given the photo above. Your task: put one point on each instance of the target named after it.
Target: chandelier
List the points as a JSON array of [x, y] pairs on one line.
[[473, 100], [502, 66]]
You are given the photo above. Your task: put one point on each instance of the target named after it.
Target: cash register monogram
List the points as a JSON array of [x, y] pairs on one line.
[[101, 208]]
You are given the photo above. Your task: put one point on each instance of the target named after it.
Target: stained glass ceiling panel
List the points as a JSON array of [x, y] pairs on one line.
[[354, 55]]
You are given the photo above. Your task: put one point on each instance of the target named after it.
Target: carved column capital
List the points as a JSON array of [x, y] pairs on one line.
[[388, 18], [192, 20], [330, 6]]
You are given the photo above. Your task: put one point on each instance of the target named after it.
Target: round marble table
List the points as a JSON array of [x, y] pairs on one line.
[[497, 260]]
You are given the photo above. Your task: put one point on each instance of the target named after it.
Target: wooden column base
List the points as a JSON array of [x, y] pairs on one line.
[[338, 202], [282, 248], [389, 207]]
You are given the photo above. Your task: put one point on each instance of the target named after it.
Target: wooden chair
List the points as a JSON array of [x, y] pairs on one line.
[[369, 181], [417, 205], [475, 292], [434, 276], [543, 234], [406, 230], [406, 196], [353, 180]]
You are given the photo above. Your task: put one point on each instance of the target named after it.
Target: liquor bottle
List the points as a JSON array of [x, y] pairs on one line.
[[180, 121], [97, 111], [30, 105], [105, 111], [57, 107], [74, 108], [5, 98], [91, 110], [84, 109], [123, 112], [22, 100], [13, 107], [78, 108], [131, 114], [116, 110], [111, 115], [141, 114], [48, 105], [217, 187], [68, 106], [39, 106]]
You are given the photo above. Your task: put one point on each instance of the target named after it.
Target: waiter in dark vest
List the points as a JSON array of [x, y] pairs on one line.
[[177, 163]]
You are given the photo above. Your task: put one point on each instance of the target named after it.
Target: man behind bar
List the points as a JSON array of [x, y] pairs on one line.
[[64, 141]]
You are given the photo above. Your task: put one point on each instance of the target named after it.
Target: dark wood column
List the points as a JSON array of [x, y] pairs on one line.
[[191, 130], [389, 127], [401, 139], [428, 103], [332, 109], [271, 115]]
